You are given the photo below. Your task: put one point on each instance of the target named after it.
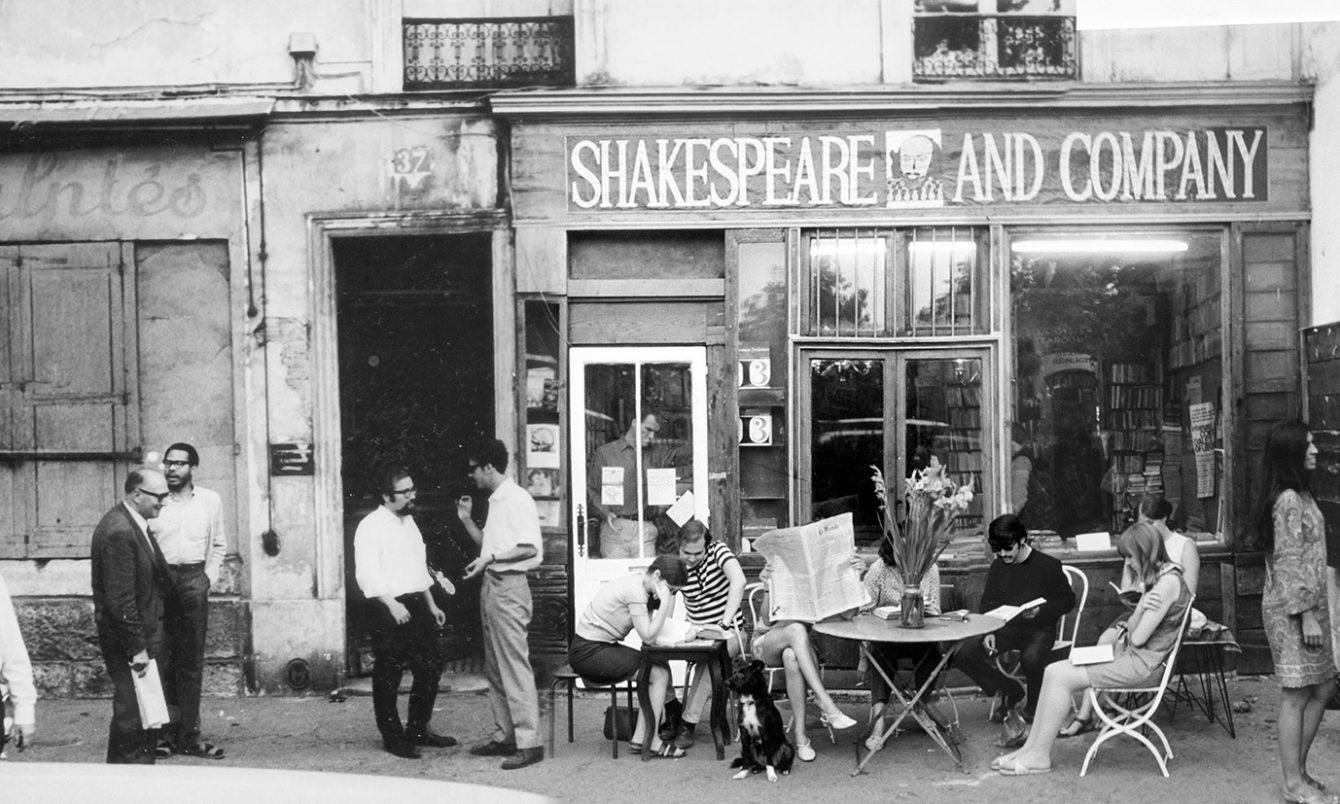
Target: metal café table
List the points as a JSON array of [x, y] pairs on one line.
[[709, 652], [867, 628]]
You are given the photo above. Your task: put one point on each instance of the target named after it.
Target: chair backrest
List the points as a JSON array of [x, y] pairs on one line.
[[753, 593], [1171, 659], [1067, 628]]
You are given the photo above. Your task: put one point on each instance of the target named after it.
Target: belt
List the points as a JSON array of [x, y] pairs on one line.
[[196, 565]]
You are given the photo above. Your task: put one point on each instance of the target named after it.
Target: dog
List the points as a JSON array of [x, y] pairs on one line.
[[763, 742]]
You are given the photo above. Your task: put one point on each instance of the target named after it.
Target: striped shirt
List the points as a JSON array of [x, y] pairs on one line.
[[707, 588]]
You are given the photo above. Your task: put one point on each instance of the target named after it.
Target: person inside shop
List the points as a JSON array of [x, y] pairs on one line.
[[1147, 636], [786, 644], [1030, 483], [712, 598], [612, 478], [641, 601], [884, 584], [1019, 574]]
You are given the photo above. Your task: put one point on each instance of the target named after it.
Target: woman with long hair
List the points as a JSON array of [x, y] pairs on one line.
[[1294, 603], [641, 601], [1143, 644]]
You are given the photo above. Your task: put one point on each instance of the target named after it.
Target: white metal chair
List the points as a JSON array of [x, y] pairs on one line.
[[1130, 710], [1067, 628], [754, 593]]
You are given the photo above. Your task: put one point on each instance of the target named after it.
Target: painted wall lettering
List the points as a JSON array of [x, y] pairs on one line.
[[919, 167], [40, 187]]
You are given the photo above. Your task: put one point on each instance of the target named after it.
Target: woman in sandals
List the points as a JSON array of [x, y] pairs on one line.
[[1144, 641], [786, 644], [642, 601], [1294, 601]]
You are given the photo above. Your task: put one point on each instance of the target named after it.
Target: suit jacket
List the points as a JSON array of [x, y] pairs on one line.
[[130, 580]]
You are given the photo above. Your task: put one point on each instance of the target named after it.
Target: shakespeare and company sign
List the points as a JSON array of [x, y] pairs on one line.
[[919, 168]]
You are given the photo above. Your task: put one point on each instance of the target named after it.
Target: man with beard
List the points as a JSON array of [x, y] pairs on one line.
[[1019, 574], [190, 532], [390, 564]]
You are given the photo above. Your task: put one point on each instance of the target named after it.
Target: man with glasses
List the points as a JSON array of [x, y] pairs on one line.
[[509, 545], [391, 567], [1019, 574], [190, 532], [130, 580]]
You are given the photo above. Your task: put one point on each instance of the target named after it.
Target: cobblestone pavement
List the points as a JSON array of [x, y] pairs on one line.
[[314, 733]]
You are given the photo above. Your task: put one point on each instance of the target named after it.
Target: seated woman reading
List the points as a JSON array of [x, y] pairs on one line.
[[642, 601], [1142, 644], [884, 584], [786, 644]]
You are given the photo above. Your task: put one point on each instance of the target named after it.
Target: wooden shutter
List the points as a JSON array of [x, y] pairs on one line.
[[73, 411], [13, 522]]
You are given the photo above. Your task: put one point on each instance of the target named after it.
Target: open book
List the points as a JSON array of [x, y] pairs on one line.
[[1092, 654], [1129, 597], [1008, 613]]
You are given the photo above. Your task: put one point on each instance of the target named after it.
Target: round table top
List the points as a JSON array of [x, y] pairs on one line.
[[870, 628]]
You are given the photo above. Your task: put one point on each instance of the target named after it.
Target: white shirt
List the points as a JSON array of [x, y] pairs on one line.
[[16, 671], [389, 556], [512, 521], [190, 531]]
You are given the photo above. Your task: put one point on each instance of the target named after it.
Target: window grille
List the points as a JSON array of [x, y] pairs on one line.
[[994, 46], [488, 53], [873, 283]]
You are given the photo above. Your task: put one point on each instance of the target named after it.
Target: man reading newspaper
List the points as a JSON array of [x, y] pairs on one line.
[[1019, 575]]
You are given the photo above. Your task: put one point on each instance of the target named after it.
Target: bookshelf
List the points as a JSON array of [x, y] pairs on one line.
[[963, 459], [1134, 404]]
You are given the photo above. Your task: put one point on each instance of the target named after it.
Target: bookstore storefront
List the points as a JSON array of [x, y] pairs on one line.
[[1072, 310]]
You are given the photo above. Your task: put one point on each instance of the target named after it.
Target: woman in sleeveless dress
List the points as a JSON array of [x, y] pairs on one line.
[[1146, 639], [1294, 604]]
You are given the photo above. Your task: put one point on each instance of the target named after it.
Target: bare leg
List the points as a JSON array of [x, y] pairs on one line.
[[1312, 716], [1059, 682], [1108, 637], [795, 692], [657, 684], [796, 637]]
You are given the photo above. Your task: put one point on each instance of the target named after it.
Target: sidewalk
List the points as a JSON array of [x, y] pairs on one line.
[[319, 735]]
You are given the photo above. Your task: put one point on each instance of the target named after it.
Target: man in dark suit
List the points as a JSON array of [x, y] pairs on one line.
[[129, 581]]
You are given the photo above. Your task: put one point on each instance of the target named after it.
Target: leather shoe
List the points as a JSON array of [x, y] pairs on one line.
[[523, 757], [431, 739], [402, 748], [493, 748]]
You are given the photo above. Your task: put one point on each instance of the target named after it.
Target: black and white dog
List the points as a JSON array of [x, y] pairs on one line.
[[763, 742]]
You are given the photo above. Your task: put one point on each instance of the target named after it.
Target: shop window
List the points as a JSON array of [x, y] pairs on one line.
[[1118, 382], [994, 39], [543, 473], [488, 53], [922, 282]]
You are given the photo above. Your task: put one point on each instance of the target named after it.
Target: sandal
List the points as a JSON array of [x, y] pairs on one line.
[[1077, 726], [1310, 795], [635, 749], [670, 751], [203, 750], [163, 750]]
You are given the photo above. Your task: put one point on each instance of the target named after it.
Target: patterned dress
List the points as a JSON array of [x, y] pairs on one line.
[[1295, 583]]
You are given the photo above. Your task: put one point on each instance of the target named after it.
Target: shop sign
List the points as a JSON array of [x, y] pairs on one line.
[[918, 168], [292, 458]]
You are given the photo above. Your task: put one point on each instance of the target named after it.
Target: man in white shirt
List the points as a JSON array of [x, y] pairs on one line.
[[189, 530], [16, 674], [509, 545], [391, 567]]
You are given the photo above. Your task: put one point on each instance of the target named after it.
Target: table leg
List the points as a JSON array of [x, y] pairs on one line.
[[911, 706], [644, 704], [717, 722]]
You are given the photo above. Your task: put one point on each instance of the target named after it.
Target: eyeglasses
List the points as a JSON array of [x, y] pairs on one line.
[[408, 491], [474, 467], [176, 463], [158, 497]]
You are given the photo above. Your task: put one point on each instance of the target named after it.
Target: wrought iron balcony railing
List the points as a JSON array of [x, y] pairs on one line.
[[995, 47], [488, 53]]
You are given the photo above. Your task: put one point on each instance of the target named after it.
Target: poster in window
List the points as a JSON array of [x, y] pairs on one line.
[[542, 446]]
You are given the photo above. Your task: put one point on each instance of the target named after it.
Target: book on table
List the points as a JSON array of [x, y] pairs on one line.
[[887, 612], [1008, 613]]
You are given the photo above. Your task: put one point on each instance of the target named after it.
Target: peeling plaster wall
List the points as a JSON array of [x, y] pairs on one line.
[[75, 43]]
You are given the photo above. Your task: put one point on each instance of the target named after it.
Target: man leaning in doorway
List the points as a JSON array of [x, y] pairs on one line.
[[130, 580], [391, 567], [189, 530], [509, 545], [612, 481]]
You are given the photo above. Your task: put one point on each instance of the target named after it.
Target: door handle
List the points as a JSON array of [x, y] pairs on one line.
[[581, 531]]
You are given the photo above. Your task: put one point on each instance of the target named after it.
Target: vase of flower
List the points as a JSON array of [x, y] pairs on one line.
[[913, 607]]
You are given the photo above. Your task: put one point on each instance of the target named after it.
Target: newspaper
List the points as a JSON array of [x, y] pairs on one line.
[[812, 574]]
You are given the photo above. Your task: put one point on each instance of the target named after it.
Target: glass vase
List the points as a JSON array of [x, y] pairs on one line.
[[913, 608]]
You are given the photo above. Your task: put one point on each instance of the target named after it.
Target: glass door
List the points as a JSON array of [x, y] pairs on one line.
[[639, 455], [897, 409]]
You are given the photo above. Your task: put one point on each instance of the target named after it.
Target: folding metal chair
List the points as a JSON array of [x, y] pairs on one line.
[[1130, 710]]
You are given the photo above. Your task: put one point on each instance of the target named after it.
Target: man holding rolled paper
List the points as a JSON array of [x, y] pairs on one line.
[[1019, 576], [130, 581]]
